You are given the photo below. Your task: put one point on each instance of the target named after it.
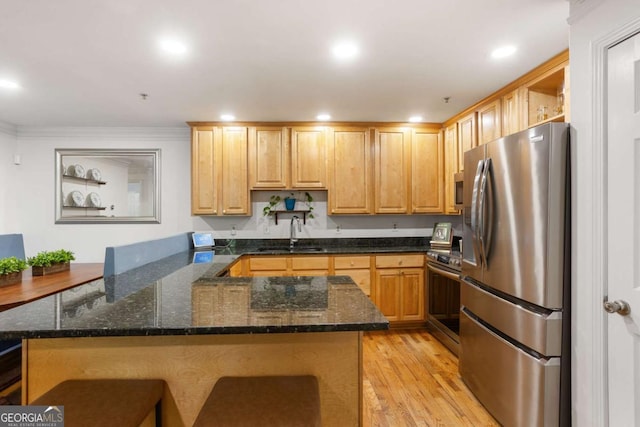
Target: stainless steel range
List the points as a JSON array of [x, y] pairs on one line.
[[443, 296]]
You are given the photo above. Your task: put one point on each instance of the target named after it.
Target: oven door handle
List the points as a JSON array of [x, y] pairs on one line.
[[445, 273]]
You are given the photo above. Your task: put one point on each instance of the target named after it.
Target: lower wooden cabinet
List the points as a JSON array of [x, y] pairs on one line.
[[399, 287], [357, 267]]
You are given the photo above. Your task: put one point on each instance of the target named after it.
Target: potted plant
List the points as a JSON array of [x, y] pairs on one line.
[[48, 262], [275, 199], [11, 270]]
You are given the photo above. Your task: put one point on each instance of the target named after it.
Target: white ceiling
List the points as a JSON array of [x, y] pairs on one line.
[[85, 62]]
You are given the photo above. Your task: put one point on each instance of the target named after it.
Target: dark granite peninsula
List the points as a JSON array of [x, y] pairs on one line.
[[177, 320]]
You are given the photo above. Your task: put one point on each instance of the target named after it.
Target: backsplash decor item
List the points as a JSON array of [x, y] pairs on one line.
[[442, 236]]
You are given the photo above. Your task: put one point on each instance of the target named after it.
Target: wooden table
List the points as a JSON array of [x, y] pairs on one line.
[[32, 288]]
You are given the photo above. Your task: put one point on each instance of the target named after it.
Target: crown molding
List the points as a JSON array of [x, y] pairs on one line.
[[578, 9], [111, 133]]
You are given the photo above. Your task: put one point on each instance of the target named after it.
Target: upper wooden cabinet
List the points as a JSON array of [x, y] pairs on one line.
[[427, 161], [309, 157], [219, 179], [489, 122], [392, 170], [511, 112], [451, 167], [350, 170], [467, 138], [546, 97], [269, 157], [205, 159]]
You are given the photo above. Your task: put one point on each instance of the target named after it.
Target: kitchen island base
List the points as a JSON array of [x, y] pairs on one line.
[[191, 365]]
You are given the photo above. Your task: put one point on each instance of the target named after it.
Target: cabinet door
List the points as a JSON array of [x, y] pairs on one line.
[[450, 167], [268, 158], [351, 189], [392, 170], [412, 294], [489, 122], [309, 265], [267, 266], [205, 155], [426, 172], [387, 293], [235, 181], [466, 137], [308, 157], [511, 113]]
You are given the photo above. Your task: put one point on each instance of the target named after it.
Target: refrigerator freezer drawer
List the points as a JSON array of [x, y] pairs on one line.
[[516, 388], [541, 332]]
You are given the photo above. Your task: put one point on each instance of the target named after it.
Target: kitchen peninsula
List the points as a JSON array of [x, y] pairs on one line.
[[176, 319]]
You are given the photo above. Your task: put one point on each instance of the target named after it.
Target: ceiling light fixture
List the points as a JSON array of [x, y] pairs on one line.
[[173, 47], [415, 119], [323, 116], [345, 50], [227, 117], [503, 52], [9, 84]]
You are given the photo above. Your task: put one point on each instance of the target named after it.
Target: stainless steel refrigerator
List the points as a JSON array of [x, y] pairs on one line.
[[514, 322]]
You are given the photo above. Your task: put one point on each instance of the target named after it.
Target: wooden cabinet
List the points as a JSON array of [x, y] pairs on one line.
[[511, 112], [205, 155], [490, 122], [546, 97], [467, 138], [451, 167], [399, 287], [392, 170], [293, 265], [357, 267], [308, 157], [234, 190], [219, 180], [427, 189], [350, 160], [269, 158]]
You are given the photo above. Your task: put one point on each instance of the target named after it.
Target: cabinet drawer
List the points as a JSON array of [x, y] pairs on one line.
[[310, 263], [268, 263], [350, 262], [395, 261]]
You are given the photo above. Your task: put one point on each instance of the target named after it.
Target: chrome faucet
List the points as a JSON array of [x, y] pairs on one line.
[[292, 231]]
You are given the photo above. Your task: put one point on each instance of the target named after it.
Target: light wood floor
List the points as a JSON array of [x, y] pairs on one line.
[[410, 379]]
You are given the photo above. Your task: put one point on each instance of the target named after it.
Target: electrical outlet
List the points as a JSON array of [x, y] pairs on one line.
[[395, 226], [338, 229], [233, 230]]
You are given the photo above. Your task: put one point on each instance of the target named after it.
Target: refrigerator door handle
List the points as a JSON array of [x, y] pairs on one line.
[[474, 211], [486, 212]]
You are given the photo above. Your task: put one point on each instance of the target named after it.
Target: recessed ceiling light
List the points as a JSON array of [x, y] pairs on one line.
[[173, 46], [415, 119], [323, 116], [345, 50], [9, 84], [503, 52], [227, 117]]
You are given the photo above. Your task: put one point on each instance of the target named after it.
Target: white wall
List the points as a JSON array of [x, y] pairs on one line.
[[8, 140], [32, 209], [590, 20], [34, 205]]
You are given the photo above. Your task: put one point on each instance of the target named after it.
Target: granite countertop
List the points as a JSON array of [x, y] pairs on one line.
[[180, 296]]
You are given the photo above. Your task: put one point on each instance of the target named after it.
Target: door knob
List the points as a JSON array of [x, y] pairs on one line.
[[621, 307]]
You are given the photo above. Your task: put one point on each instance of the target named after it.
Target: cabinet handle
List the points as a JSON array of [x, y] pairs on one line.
[[351, 263]]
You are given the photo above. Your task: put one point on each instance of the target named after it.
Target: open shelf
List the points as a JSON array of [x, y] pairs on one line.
[[87, 180], [84, 207], [303, 212]]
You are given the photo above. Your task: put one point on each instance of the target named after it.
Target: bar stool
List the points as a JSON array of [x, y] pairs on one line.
[[271, 401], [106, 402]]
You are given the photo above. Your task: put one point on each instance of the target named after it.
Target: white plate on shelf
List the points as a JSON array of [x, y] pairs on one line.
[[93, 200], [76, 170], [75, 198], [94, 174]]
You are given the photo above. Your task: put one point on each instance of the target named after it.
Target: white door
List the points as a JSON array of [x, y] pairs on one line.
[[623, 207]]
